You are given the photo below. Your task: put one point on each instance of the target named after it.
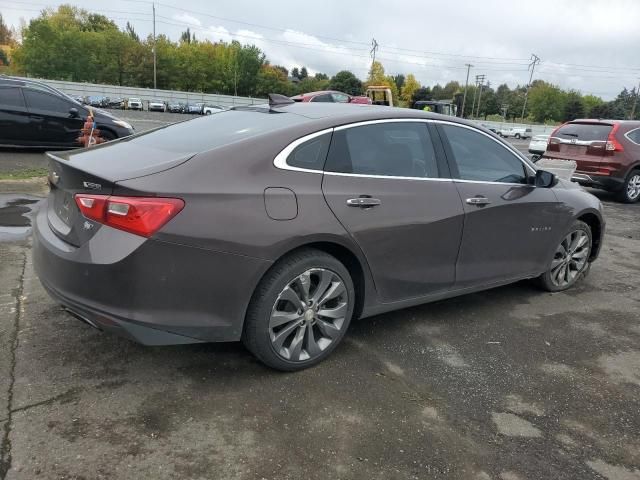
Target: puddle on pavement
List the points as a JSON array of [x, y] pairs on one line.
[[16, 212]]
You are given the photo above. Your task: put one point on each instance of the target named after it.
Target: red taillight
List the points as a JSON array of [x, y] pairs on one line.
[[140, 215], [613, 145]]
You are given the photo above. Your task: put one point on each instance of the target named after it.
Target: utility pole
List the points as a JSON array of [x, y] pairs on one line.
[[535, 60], [635, 102], [374, 48], [479, 82], [480, 93], [466, 83], [154, 46]]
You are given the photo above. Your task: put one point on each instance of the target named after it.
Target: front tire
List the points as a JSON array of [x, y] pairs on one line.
[[630, 192], [300, 311], [517, 135], [570, 261]]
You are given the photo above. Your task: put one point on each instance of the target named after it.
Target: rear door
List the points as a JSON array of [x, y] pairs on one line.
[[51, 118], [509, 225], [585, 143], [14, 117], [387, 187]]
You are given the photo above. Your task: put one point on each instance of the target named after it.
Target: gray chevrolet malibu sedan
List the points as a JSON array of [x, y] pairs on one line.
[[278, 224]]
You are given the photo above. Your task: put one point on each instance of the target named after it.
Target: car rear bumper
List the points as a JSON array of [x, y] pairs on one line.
[[598, 181], [153, 292]]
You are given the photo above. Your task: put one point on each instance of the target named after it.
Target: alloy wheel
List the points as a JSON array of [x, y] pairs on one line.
[[633, 187], [570, 258], [308, 315]]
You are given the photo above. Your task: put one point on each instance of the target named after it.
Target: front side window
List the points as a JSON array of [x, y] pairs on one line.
[[401, 149], [480, 158], [37, 100], [11, 97]]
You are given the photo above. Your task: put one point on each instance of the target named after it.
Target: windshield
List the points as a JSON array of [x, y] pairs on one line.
[[588, 132]]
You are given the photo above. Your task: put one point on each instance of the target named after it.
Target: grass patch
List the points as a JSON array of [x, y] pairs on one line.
[[24, 174]]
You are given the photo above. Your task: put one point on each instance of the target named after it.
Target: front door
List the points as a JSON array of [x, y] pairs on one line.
[[383, 183], [14, 117], [51, 118], [509, 225]]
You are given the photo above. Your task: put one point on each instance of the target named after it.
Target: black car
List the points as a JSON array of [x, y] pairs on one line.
[[98, 101], [34, 114], [176, 107]]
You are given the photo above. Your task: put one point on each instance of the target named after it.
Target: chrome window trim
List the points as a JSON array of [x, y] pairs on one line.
[[629, 138], [280, 161], [388, 177]]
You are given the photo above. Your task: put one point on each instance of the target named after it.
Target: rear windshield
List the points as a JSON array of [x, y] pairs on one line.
[[212, 131], [587, 132]]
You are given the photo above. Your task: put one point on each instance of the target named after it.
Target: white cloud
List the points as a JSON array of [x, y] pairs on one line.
[[186, 18]]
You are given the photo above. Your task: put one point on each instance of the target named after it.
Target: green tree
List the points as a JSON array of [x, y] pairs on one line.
[[295, 73], [347, 82], [573, 106], [399, 81], [410, 87], [129, 30], [589, 103], [423, 93], [272, 79], [546, 102], [6, 35], [303, 73]]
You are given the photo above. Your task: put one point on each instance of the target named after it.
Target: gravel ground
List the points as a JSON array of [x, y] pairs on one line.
[[507, 384]]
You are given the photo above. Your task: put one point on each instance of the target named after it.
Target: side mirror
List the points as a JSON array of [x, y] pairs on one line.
[[544, 179], [73, 112]]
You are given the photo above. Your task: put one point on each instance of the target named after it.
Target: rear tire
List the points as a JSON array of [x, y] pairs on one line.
[[630, 192], [570, 261], [300, 311], [517, 135]]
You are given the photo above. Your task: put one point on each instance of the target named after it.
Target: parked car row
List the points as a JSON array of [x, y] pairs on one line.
[[154, 105]]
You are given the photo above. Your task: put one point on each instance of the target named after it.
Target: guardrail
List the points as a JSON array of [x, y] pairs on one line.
[[76, 89], [535, 129]]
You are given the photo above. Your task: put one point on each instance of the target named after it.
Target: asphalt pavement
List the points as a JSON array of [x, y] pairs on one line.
[[508, 384]]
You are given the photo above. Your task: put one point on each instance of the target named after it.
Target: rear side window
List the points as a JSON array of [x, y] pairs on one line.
[[11, 97], [37, 100], [586, 132], [311, 154], [482, 159], [401, 149], [634, 136], [326, 97]]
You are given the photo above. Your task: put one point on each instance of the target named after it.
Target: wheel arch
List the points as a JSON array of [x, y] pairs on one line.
[[353, 261], [596, 225]]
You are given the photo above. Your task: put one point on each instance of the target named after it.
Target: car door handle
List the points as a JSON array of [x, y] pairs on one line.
[[479, 200], [364, 202]]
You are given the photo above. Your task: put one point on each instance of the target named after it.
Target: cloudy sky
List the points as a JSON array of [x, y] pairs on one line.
[[588, 45]]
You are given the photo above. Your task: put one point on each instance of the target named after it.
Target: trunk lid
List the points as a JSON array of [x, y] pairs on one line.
[[97, 171], [584, 142]]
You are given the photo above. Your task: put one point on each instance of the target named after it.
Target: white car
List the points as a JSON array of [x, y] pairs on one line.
[[517, 132], [134, 104], [209, 109], [537, 146], [157, 106]]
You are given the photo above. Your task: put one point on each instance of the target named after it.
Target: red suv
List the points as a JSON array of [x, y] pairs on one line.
[[607, 153]]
